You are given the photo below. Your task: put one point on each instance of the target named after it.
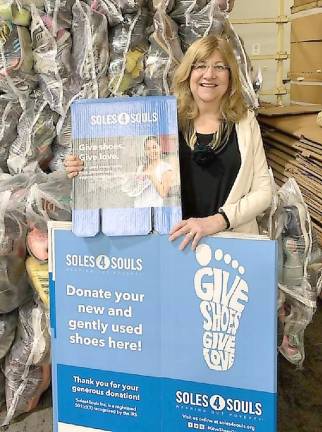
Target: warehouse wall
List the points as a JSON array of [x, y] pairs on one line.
[[261, 39]]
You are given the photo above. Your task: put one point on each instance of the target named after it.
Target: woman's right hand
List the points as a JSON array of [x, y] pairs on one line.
[[73, 165]]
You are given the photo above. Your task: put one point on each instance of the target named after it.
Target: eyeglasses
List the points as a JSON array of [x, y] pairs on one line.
[[203, 67]]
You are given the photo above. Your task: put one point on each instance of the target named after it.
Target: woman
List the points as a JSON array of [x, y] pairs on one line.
[[224, 174], [156, 174], [225, 181]]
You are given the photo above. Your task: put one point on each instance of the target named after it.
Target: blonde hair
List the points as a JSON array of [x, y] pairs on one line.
[[233, 107]]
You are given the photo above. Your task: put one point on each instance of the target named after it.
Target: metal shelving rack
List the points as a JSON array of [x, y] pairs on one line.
[[281, 53]]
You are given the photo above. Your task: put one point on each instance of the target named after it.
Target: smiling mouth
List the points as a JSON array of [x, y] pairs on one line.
[[208, 85]]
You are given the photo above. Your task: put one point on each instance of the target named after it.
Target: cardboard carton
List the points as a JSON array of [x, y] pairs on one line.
[[305, 5], [270, 110], [306, 61], [306, 92], [307, 28], [142, 328], [129, 147], [303, 2]]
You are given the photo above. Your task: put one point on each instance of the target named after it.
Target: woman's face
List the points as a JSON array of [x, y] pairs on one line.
[[207, 84], [152, 149]]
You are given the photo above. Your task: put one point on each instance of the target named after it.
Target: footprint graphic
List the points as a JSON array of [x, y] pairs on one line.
[[223, 295]]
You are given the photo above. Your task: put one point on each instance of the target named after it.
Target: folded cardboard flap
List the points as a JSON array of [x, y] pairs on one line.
[[270, 110], [290, 125], [272, 140], [312, 132], [300, 125]]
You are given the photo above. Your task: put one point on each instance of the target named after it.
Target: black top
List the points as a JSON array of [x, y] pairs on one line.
[[206, 180]]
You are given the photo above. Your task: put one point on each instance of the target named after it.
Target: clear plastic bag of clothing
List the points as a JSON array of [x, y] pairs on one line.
[[90, 48], [14, 287], [27, 368], [10, 112], [8, 324], [128, 45], [60, 12], [63, 142], [36, 132], [300, 270], [183, 8], [16, 62], [209, 20], [109, 8], [15, 12], [45, 65], [163, 55], [166, 5], [48, 199], [131, 6]]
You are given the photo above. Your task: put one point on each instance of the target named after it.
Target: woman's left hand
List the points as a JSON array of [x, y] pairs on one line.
[[194, 229]]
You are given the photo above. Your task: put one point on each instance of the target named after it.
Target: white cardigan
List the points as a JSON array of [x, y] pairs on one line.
[[251, 193]]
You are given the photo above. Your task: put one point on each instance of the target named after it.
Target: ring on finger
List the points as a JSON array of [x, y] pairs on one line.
[[190, 234]]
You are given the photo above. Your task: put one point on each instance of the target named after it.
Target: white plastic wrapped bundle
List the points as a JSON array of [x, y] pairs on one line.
[[184, 8], [26, 368], [48, 199], [8, 324], [14, 288], [166, 5], [10, 112], [61, 13], [63, 143], [15, 12], [90, 47], [109, 8], [299, 285], [131, 6], [16, 75], [128, 45], [164, 54], [63, 57], [36, 131], [130, 33], [208, 20], [45, 64]]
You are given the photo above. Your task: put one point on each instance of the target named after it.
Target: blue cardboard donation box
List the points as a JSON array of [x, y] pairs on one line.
[[146, 338], [130, 147]]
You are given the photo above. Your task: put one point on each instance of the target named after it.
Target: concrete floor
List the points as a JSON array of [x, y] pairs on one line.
[[300, 392], [38, 421]]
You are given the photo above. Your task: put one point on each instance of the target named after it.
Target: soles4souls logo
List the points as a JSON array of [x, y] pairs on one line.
[[223, 295]]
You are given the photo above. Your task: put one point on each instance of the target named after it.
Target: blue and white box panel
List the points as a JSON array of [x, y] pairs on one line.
[[148, 338]]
